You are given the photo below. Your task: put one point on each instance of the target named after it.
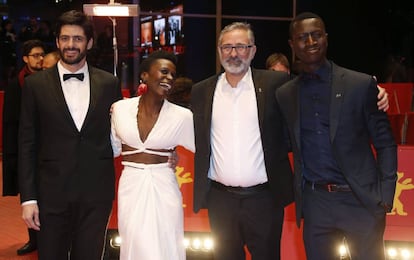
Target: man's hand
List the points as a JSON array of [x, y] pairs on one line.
[[173, 160], [383, 103], [31, 216]]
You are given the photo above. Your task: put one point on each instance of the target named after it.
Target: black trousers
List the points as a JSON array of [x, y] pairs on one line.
[[332, 218], [239, 221], [32, 236], [74, 230]]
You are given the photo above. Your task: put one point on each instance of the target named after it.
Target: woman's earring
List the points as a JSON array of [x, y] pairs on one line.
[[142, 88]]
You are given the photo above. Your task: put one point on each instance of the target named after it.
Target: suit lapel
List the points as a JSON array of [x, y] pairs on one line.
[[57, 92], [93, 96], [296, 109], [210, 87], [337, 98], [260, 96]]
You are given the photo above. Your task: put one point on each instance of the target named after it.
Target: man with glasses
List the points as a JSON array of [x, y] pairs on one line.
[[66, 170], [242, 171], [32, 53]]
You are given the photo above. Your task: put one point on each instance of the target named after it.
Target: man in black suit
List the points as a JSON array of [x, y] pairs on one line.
[[32, 54], [242, 171], [342, 188], [66, 170]]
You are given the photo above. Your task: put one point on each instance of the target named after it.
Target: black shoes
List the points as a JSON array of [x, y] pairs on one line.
[[27, 248]]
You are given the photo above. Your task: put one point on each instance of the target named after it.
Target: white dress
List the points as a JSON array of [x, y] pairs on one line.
[[150, 213]]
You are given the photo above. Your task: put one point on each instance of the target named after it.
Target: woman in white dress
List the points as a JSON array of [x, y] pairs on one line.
[[145, 130]]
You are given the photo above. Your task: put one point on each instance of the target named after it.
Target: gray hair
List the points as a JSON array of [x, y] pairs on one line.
[[237, 26]]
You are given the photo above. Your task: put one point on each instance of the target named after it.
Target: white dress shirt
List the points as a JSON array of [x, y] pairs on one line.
[[77, 94], [237, 157]]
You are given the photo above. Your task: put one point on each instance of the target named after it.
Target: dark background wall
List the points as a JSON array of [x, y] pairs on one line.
[[362, 33]]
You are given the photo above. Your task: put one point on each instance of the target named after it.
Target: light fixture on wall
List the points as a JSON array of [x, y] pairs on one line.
[[112, 10]]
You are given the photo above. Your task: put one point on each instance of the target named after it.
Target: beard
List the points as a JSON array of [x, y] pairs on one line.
[[236, 65], [72, 60]]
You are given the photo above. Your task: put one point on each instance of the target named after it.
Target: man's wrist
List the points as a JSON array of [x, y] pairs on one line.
[[29, 202]]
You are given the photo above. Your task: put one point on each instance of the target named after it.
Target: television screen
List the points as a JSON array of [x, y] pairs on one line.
[[146, 34], [159, 31], [162, 31], [174, 30]]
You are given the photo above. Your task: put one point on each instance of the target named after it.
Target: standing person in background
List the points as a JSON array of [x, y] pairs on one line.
[[342, 189], [105, 49], [242, 173], [181, 93], [50, 59], [278, 62], [8, 58], [33, 52], [146, 130], [66, 169]]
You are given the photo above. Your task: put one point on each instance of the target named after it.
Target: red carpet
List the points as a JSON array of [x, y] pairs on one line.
[[13, 232]]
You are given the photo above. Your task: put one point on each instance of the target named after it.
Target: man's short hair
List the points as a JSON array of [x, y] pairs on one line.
[[78, 18], [303, 16], [30, 44]]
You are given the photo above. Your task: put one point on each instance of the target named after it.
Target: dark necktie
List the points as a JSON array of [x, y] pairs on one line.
[[79, 76]]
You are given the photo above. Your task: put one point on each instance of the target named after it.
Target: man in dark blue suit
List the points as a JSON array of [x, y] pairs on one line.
[[342, 188], [66, 170]]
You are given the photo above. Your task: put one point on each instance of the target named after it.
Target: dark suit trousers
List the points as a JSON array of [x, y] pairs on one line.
[[330, 218], [75, 229], [237, 221]]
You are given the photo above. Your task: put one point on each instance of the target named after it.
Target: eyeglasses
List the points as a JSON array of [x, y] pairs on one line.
[[316, 35], [37, 55], [240, 49]]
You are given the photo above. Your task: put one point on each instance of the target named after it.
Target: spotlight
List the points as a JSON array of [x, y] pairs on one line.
[[186, 243], [405, 253], [208, 244], [343, 250], [399, 250], [392, 253], [198, 245], [115, 241], [112, 244]]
